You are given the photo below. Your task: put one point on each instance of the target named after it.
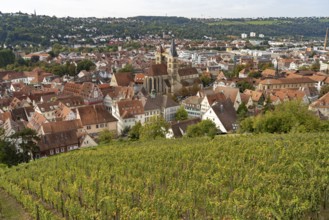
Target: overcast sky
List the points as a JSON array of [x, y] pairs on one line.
[[185, 8]]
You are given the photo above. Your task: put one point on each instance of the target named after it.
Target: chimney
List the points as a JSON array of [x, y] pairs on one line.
[[221, 108]]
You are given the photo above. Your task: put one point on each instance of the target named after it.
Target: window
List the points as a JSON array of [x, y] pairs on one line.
[[57, 150], [102, 125], [51, 152], [97, 126], [62, 150], [88, 127]]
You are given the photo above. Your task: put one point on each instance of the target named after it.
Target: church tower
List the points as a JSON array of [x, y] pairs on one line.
[[159, 58], [172, 62]]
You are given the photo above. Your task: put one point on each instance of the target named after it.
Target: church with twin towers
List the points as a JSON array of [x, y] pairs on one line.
[[166, 75]]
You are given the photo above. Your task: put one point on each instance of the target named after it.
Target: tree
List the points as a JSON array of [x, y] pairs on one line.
[[206, 80], [8, 152], [127, 68], [85, 65], [59, 70], [315, 66], [6, 57], [135, 131], [27, 140], [203, 128], [35, 59], [286, 117], [243, 85], [324, 90], [255, 74], [264, 66], [181, 114], [237, 69], [242, 111], [71, 69], [154, 128], [105, 136], [268, 105]]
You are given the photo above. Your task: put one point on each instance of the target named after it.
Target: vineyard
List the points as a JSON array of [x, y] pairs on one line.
[[230, 177]]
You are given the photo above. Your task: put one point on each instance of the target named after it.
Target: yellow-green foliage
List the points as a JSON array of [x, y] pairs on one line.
[[230, 177]]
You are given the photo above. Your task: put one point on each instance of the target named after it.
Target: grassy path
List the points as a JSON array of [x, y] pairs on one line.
[[10, 209]]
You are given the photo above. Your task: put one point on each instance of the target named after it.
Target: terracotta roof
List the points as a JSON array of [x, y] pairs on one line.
[[130, 108], [62, 111], [287, 81], [244, 98], [121, 92], [62, 126], [72, 88], [159, 102], [57, 140], [157, 70], [268, 72], [95, 114], [318, 78], [216, 97], [322, 102], [83, 90], [124, 79], [229, 92], [187, 71], [255, 95], [36, 121], [104, 86], [293, 75], [192, 100], [4, 116], [48, 106], [139, 77], [53, 97], [289, 94], [71, 101]]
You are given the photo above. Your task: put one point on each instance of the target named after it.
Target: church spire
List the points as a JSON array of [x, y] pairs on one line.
[[173, 51]]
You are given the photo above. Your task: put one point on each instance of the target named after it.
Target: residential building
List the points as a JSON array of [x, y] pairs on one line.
[[178, 129], [95, 118], [283, 83], [128, 113], [321, 105], [90, 92], [192, 105], [223, 114]]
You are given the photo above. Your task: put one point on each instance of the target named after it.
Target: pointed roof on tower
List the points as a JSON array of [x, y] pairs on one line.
[[160, 49], [173, 51]]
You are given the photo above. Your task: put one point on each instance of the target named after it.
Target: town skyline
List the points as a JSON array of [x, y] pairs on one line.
[[181, 8]]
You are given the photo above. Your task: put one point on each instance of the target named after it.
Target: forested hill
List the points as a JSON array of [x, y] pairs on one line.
[[20, 28]]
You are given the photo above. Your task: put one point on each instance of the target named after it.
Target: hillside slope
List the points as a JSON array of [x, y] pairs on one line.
[[24, 29], [236, 177]]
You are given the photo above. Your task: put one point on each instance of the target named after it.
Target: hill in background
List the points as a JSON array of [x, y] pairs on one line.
[[25, 29]]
